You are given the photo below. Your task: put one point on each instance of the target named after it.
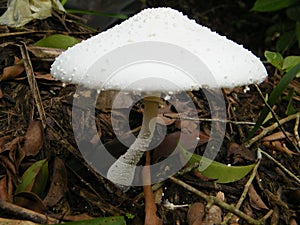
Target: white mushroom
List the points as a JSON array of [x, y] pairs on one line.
[[157, 44]]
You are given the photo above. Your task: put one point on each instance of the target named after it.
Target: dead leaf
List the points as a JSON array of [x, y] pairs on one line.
[[11, 145], [80, 217], [34, 138], [278, 146], [44, 52], [195, 214], [3, 141], [11, 72], [1, 93], [239, 154], [158, 196], [255, 200], [4, 189], [165, 120], [17, 155], [31, 201], [277, 136], [58, 185], [168, 145]]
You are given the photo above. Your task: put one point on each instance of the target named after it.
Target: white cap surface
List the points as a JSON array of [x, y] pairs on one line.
[[158, 49]]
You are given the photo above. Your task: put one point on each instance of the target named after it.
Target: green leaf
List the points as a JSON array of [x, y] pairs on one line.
[[275, 59], [290, 110], [34, 178], [57, 41], [285, 41], [298, 33], [215, 170], [294, 13], [91, 12], [63, 2], [290, 61], [275, 96], [271, 5], [113, 220]]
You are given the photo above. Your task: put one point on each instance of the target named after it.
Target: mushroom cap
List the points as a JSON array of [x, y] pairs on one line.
[[158, 49]]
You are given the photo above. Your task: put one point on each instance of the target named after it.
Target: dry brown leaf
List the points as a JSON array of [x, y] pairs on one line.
[[3, 188], [195, 213], [31, 201], [58, 186], [34, 138], [11, 145], [83, 216], [239, 154], [277, 136], [168, 145], [11, 72], [44, 52], [278, 146], [158, 196], [3, 141], [293, 222], [255, 200], [165, 120], [16, 155]]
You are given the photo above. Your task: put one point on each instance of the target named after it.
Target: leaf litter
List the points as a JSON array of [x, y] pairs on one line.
[[71, 187]]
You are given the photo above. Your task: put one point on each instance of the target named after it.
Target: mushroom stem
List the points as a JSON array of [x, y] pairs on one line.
[[122, 171]]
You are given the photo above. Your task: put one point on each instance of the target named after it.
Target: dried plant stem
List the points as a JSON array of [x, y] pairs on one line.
[[27, 214], [171, 116], [33, 84], [266, 130], [216, 201], [150, 208]]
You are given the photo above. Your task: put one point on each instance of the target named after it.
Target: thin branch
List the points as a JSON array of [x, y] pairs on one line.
[[266, 130], [207, 119], [27, 214], [216, 201], [33, 84]]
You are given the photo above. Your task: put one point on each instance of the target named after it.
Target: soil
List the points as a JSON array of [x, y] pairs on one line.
[[36, 123]]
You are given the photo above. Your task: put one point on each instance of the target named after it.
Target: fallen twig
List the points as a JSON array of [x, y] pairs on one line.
[[33, 84], [26, 214], [216, 201], [266, 130], [171, 116], [246, 187]]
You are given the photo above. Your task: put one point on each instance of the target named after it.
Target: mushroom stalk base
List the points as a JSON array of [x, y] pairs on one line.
[[122, 171]]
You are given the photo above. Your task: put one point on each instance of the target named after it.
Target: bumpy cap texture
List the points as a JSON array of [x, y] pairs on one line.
[[158, 49]]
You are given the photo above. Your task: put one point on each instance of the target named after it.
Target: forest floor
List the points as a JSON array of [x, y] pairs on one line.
[[36, 124]]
